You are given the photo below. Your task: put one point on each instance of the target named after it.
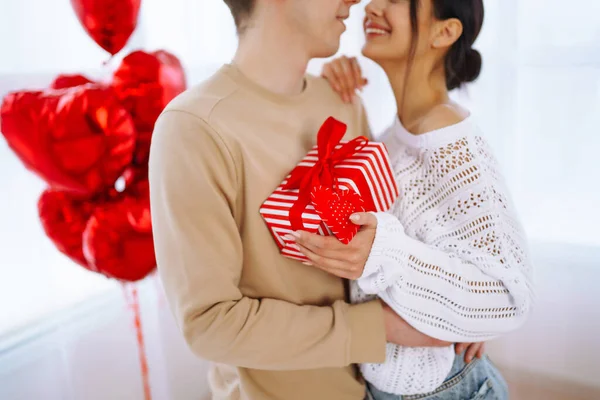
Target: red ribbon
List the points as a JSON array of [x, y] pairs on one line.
[[323, 172]]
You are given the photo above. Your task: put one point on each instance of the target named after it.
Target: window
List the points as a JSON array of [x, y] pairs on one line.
[[537, 100], [556, 118], [38, 40]]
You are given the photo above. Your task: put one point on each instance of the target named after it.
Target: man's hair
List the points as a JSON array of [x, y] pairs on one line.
[[241, 11]]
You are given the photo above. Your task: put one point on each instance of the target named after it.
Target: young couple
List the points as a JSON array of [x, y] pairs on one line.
[[411, 299]]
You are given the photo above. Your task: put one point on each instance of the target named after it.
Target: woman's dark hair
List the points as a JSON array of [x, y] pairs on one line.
[[462, 63]]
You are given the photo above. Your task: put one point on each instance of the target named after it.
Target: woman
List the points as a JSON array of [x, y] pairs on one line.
[[450, 257]]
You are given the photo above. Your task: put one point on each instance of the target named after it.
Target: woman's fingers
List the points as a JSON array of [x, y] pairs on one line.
[[338, 71], [351, 84], [333, 267], [358, 78], [333, 79], [345, 77]]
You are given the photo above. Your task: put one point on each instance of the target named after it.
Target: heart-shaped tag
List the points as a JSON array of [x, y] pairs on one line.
[[335, 208]]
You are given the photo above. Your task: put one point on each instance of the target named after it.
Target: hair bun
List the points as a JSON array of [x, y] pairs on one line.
[[463, 65], [472, 67]]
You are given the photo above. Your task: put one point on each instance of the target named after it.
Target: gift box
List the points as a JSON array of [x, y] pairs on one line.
[[331, 182]]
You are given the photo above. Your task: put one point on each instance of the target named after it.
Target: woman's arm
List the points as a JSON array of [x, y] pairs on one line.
[[472, 284], [471, 293]]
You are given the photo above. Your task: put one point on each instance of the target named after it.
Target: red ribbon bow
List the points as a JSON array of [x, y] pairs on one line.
[[323, 172]]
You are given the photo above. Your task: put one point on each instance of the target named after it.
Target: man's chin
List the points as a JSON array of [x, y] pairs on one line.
[[327, 50]]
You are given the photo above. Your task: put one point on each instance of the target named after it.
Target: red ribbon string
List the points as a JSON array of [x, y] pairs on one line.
[[134, 303]]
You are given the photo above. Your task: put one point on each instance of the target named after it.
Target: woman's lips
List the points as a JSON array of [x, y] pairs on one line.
[[372, 29]]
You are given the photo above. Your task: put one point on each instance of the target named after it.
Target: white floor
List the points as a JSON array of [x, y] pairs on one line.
[[90, 352]]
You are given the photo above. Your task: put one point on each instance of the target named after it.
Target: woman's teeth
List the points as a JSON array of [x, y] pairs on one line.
[[376, 31]]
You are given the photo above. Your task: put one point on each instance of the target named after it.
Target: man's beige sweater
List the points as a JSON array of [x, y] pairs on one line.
[[274, 328]]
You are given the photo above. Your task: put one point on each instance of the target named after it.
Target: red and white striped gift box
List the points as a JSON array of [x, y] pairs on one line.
[[367, 172]]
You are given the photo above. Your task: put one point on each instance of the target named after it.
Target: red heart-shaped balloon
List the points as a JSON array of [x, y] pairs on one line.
[[133, 181], [136, 180], [69, 81], [145, 83], [78, 139], [109, 23], [117, 241], [64, 219], [335, 208]]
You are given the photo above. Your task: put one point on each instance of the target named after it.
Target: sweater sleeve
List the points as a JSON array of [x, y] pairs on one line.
[[466, 281], [194, 187]]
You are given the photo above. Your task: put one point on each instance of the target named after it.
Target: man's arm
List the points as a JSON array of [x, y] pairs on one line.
[[194, 185]]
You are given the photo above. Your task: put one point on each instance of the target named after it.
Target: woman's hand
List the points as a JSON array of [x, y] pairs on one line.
[[332, 256], [344, 76]]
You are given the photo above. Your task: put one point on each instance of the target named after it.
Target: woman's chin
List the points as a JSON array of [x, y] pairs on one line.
[[381, 54], [366, 51], [370, 52]]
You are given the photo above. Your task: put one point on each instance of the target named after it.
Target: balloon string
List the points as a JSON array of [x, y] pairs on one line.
[[108, 61], [134, 305]]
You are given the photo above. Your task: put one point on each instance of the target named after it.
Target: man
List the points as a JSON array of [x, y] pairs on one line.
[[274, 328]]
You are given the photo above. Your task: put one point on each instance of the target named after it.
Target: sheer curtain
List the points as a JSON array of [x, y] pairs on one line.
[[538, 100], [38, 40], [555, 112]]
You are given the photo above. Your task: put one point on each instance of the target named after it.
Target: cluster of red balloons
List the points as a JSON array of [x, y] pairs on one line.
[[90, 142]]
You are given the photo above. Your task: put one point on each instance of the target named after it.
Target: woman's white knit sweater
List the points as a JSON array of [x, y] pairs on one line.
[[450, 257]]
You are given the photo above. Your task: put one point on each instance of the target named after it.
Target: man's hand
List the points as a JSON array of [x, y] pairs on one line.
[[399, 332], [472, 350]]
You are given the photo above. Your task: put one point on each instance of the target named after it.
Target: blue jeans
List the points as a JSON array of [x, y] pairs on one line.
[[478, 380]]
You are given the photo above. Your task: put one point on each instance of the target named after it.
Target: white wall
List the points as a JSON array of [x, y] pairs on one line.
[[561, 338], [91, 353]]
